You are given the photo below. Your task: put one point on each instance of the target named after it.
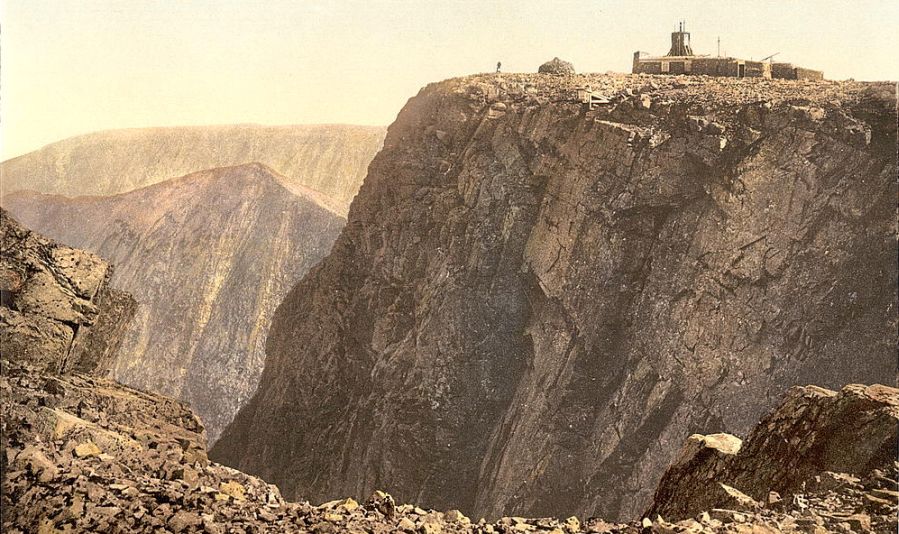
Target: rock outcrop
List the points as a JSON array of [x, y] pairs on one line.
[[328, 159], [208, 257], [534, 301], [57, 312], [557, 67], [817, 439]]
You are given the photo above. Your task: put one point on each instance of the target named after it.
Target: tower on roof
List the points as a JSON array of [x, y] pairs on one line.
[[680, 42]]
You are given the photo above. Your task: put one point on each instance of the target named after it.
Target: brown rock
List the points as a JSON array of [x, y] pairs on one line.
[[789, 450], [37, 462], [183, 520], [738, 500], [58, 312], [187, 474], [381, 502], [233, 489], [88, 448], [859, 522]]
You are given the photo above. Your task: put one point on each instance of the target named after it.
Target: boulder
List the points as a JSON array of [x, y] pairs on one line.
[[816, 440], [556, 67]]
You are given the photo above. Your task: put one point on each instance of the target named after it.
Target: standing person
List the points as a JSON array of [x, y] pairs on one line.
[[498, 66]]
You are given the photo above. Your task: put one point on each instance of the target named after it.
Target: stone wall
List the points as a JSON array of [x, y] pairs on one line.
[[808, 74], [714, 66], [784, 71], [788, 71], [757, 69]]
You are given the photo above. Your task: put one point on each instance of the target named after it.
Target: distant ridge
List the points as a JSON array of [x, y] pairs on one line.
[[330, 160]]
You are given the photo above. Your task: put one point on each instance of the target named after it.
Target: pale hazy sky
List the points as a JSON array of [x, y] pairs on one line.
[[75, 66]]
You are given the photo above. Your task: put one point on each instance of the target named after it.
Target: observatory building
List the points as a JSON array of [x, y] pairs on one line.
[[681, 60]]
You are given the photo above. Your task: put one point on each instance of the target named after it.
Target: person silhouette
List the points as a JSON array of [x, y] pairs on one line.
[[498, 66]]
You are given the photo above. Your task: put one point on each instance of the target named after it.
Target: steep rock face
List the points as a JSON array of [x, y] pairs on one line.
[[851, 432], [328, 159], [534, 302], [58, 312], [208, 257]]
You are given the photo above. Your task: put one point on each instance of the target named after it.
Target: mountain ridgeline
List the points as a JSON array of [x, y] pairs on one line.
[[534, 303], [329, 160], [208, 257]]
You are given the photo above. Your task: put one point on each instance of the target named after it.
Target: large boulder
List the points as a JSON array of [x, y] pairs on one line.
[[556, 67], [815, 431], [57, 312]]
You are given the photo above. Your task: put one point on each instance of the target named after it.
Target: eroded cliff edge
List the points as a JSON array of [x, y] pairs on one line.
[[534, 302]]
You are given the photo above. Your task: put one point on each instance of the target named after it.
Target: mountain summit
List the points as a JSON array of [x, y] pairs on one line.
[[538, 296]]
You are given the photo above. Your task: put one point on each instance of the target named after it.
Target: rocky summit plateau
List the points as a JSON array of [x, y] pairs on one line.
[[539, 296]]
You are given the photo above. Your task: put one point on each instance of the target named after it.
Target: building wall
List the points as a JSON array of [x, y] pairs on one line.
[[788, 71], [784, 71], [757, 69], [721, 66], [808, 74], [715, 66], [647, 67]]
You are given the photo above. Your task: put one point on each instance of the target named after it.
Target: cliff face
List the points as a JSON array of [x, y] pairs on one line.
[[533, 302], [208, 257], [328, 159], [57, 312]]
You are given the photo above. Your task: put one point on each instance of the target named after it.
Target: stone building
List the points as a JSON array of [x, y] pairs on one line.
[[681, 60]]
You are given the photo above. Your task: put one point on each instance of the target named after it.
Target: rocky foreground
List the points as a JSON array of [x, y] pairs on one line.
[[84, 454]]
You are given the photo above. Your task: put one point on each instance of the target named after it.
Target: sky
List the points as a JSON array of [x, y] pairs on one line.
[[69, 67]]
